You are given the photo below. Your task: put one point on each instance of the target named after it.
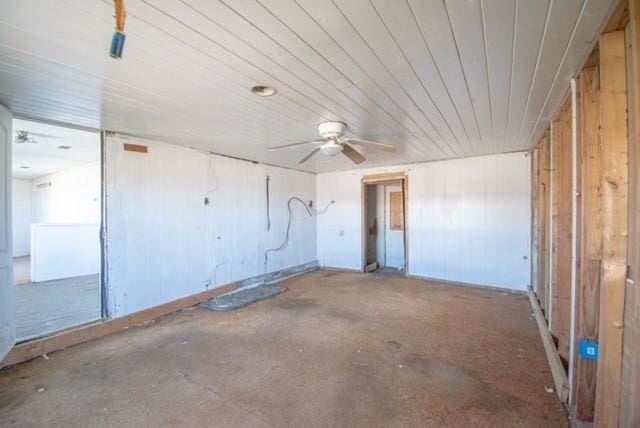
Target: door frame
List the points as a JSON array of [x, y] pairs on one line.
[[104, 315], [403, 177]]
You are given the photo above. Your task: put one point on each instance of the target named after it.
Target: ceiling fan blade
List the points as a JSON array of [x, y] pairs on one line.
[[352, 154], [373, 145], [295, 144], [29, 134], [38, 134], [307, 157]]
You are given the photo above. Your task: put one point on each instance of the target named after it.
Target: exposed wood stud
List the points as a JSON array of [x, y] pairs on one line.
[[562, 220], [535, 221], [614, 217], [545, 220], [589, 242], [630, 388]]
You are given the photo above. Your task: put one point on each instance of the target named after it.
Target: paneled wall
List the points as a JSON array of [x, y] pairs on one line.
[[68, 196], [468, 219], [21, 216], [181, 221]]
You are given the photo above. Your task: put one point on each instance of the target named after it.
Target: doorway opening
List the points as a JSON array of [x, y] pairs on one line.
[[56, 218], [384, 246]]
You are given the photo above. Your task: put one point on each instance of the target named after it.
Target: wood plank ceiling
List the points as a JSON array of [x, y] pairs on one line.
[[437, 79]]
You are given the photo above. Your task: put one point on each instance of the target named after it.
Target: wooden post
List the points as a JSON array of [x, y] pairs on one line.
[[543, 221], [556, 133], [589, 244], [562, 200], [535, 219], [630, 390], [613, 113]]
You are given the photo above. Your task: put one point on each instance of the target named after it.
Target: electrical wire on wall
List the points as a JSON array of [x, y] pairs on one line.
[[288, 232], [268, 203], [324, 210]]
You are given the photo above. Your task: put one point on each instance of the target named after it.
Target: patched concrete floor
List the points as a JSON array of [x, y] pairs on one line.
[[337, 349]]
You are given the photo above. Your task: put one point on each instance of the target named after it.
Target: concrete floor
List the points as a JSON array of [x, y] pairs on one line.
[[45, 307], [337, 349]]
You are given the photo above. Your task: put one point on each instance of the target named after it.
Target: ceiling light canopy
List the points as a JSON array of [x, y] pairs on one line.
[[263, 91]]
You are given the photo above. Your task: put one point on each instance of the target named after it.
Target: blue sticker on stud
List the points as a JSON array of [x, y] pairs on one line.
[[589, 350]]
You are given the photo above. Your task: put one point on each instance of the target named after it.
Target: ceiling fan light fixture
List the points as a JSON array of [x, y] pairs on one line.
[[263, 91], [331, 149]]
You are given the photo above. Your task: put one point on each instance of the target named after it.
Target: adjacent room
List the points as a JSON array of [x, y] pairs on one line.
[[56, 212], [320, 213]]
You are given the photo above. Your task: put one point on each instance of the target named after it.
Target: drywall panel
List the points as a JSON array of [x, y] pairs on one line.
[[68, 196], [468, 219], [181, 221], [64, 250], [21, 216]]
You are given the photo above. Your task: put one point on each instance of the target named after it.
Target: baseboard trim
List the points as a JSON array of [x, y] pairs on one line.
[[95, 330], [337, 269], [468, 284]]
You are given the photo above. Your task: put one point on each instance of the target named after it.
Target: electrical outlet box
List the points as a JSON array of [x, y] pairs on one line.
[[589, 350]]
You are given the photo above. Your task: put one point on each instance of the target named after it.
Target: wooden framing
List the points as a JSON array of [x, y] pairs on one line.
[[593, 230], [387, 176], [383, 178], [557, 369], [540, 240], [541, 174], [562, 229], [589, 242], [535, 220], [630, 387], [614, 219]]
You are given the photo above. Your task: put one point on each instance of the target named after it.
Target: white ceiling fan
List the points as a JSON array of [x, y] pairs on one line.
[[26, 137], [333, 142]]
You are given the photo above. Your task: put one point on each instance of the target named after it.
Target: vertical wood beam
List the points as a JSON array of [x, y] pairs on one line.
[[575, 232], [589, 243], [613, 113], [562, 229], [630, 391], [543, 221], [535, 219], [556, 132], [546, 183]]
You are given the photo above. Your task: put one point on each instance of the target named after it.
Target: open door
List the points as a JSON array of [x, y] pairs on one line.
[[7, 328]]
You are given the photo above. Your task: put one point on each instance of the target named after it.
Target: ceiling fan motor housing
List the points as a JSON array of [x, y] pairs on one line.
[[331, 129]]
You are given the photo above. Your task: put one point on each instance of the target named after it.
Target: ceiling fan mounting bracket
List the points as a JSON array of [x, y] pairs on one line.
[[328, 130]]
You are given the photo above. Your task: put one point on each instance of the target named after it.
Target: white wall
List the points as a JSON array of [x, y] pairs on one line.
[[468, 219], [164, 243], [21, 216], [64, 250], [72, 197]]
